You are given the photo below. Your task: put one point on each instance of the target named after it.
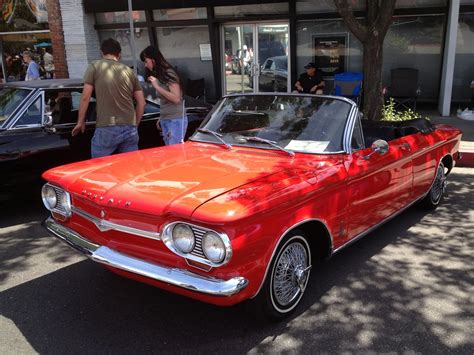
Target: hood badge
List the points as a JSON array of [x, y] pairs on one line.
[[102, 214], [110, 201]]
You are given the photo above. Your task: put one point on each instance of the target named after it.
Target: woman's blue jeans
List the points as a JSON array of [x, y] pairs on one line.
[[174, 129]]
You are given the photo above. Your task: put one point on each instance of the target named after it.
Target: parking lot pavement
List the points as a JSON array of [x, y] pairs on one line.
[[407, 287]]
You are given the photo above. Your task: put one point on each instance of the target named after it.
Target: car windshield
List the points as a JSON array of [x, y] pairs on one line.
[[298, 123], [9, 100]]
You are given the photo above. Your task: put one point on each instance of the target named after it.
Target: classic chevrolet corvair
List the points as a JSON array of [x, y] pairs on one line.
[[267, 186]]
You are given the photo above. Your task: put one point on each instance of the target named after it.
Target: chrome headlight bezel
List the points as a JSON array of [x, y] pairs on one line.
[[62, 204], [197, 254]]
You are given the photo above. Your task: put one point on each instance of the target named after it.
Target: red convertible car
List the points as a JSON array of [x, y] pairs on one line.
[[268, 185]]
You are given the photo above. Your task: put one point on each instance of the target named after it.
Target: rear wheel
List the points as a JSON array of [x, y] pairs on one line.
[[436, 193], [286, 280]]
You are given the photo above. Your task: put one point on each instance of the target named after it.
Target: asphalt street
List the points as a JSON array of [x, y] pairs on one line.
[[407, 287]]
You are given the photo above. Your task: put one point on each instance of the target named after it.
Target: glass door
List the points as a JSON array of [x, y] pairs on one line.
[[255, 58], [273, 48], [238, 58]]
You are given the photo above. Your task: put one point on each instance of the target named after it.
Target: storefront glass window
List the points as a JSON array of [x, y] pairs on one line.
[[330, 45], [318, 6], [242, 11], [28, 15], [464, 67], [192, 13], [416, 42], [104, 18], [419, 3], [123, 37], [13, 47], [188, 49]]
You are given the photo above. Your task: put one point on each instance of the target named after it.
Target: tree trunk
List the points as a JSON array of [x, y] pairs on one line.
[[379, 18], [372, 91]]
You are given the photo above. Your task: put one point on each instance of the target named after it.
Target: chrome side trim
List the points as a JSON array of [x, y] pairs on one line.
[[279, 242], [104, 225], [172, 276], [371, 229]]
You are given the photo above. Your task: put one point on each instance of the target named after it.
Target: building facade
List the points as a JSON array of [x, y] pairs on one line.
[[250, 46]]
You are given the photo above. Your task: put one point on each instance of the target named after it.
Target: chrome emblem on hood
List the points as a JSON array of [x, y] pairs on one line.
[[102, 214], [110, 201]]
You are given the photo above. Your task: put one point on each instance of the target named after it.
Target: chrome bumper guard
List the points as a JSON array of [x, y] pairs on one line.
[[173, 276]]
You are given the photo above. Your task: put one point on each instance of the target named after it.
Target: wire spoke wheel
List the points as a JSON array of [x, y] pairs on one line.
[[290, 274], [432, 200], [439, 185]]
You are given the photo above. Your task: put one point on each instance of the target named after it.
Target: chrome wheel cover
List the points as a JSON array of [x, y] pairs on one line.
[[439, 185], [290, 274]]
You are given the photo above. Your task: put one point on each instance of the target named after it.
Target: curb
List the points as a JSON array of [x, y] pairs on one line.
[[467, 160]]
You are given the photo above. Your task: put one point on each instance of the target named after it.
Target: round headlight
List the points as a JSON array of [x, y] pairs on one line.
[[65, 202], [49, 197], [213, 247], [183, 238]]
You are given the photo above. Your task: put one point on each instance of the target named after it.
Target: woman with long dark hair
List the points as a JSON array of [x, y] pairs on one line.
[[165, 81]]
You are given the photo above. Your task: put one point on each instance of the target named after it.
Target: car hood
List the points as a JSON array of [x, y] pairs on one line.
[[175, 179]]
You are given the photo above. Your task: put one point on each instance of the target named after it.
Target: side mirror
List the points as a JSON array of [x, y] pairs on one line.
[[379, 146], [47, 121]]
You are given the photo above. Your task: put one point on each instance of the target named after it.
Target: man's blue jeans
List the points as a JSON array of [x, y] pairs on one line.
[[114, 139], [174, 129]]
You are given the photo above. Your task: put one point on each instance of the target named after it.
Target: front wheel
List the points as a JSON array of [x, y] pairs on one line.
[[436, 193], [287, 278]]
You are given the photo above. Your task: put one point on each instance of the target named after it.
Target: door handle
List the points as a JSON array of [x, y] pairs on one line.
[[11, 154], [405, 146]]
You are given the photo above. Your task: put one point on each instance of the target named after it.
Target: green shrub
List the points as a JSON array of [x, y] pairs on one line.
[[390, 114]]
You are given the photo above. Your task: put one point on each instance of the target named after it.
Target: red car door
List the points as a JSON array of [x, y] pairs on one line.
[[425, 162], [378, 185]]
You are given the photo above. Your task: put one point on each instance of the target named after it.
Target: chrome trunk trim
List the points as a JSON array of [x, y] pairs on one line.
[[169, 275]]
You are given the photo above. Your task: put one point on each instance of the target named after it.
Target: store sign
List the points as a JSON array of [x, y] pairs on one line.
[[330, 53]]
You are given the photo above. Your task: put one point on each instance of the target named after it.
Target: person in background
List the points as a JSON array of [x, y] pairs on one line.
[[115, 86], [165, 81], [32, 72], [310, 82], [48, 63]]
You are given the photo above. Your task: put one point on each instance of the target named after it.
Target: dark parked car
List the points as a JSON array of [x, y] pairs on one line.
[[36, 120], [274, 74]]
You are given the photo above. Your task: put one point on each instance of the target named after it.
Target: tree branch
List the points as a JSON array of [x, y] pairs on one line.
[[372, 12], [345, 10], [384, 19]]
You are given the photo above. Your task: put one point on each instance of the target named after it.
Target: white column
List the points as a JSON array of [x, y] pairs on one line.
[[449, 56], [80, 38]]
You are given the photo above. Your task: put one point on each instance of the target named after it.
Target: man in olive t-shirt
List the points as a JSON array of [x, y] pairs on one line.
[[115, 87]]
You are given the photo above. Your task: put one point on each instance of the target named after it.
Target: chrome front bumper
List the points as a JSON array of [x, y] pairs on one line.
[[172, 276]]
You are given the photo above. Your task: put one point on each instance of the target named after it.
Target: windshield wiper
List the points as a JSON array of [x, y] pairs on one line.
[[215, 134], [267, 141]]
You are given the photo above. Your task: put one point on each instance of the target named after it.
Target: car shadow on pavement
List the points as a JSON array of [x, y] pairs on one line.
[[405, 287]]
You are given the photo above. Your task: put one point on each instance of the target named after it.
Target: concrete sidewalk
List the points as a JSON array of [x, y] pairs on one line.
[[467, 140]]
